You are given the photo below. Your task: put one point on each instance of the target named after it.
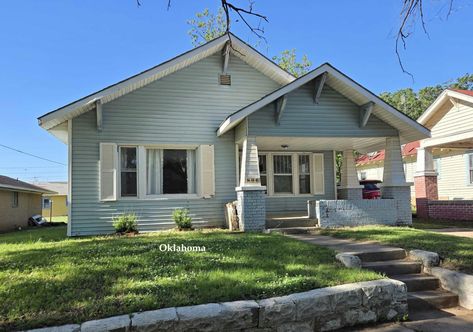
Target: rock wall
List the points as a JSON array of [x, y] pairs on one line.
[[323, 309]]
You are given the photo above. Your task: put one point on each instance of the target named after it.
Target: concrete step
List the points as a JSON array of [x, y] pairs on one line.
[[418, 282], [428, 299], [381, 254], [394, 267], [290, 223], [292, 230]]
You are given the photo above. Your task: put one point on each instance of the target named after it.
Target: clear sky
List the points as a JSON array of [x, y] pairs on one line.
[[54, 52]]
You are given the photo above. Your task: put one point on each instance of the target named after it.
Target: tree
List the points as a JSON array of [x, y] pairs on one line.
[[207, 26], [287, 60], [415, 103]]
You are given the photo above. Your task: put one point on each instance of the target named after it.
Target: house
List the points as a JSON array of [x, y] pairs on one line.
[[18, 201], [450, 119], [220, 123], [54, 205]]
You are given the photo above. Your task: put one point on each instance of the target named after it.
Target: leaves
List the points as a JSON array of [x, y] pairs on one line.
[[287, 60], [414, 103]]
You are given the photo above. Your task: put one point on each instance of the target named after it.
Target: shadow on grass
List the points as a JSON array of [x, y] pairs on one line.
[[57, 282]]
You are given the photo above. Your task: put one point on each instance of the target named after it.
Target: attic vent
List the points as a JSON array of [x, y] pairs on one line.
[[225, 79]]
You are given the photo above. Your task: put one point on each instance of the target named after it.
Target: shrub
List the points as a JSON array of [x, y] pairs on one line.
[[125, 223], [182, 219]]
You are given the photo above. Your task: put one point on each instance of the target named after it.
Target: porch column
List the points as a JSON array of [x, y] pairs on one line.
[[394, 184], [251, 205], [425, 181], [350, 186]]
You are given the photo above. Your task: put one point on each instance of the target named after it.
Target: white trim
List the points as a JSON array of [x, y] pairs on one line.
[[443, 97], [242, 50], [235, 118], [69, 178]]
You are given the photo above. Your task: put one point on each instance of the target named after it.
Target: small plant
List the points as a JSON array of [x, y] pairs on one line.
[[182, 219], [125, 223]]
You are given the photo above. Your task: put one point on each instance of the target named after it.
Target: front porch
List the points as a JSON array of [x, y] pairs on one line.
[[295, 185]]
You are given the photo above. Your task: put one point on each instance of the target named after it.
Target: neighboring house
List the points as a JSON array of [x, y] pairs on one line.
[[54, 205], [216, 124], [450, 119], [18, 201]]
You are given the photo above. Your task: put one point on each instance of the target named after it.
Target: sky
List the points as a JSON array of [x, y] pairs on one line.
[[54, 52]]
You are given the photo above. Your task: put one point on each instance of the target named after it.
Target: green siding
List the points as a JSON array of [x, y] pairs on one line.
[[334, 116], [183, 108]]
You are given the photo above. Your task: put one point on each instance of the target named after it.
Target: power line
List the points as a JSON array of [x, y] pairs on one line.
[[28, 167], [32, 155]]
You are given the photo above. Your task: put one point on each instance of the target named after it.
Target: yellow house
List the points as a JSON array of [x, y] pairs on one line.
[[54, 205]]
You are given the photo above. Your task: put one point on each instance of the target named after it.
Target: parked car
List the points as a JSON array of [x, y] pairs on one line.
[[370, 189]]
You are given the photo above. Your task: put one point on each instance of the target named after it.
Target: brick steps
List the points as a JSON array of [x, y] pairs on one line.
[[292, 230]]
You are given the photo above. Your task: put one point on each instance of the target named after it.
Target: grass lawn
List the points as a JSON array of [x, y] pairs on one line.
[[436, 224], [48, 279], [456, 251]]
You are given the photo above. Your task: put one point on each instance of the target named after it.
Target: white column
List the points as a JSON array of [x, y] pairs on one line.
[[249, 175], [425, 162], [349, 176], [393, 174]]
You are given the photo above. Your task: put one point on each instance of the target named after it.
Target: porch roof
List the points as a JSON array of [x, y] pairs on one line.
[[409, 129]]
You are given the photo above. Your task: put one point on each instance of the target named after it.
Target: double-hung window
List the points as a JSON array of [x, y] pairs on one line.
[[170, 171], [282, 169], [15, 199], [128, 172]]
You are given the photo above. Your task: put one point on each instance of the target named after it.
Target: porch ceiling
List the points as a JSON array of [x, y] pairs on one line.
[[361, 144]]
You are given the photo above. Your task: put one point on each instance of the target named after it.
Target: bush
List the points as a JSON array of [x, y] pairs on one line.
[[182, 219], [125, 223]]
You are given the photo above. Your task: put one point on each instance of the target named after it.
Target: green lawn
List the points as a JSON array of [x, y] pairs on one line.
[[47, 279], [456, 251]]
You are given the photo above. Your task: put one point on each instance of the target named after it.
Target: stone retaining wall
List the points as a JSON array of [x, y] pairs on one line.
[[321, 309], [339, 213]]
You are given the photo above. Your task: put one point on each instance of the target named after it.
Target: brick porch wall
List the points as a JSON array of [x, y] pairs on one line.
[[453, 210], [426, 189]]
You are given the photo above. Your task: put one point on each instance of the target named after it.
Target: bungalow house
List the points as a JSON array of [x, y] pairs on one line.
[[18, 201], [54, 205], [220, 123], [449, 150]]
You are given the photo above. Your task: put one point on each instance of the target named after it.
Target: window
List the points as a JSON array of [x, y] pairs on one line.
[[46, 203], [14, 202], [170, 171], [128, 174], [362, 175], [304, 174], [282, 165], [470, 168], [263, 170]]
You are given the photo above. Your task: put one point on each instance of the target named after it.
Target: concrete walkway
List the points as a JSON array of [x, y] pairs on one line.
[[463, 232], [455, 319]]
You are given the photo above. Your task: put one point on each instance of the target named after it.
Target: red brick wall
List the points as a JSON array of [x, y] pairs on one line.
[[454, 210], [426, 189]]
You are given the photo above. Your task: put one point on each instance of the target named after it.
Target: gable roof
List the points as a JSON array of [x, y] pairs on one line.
[[409, 149], [239, 48], [17, 185], [408, 128], [444, 97], [59, 187]]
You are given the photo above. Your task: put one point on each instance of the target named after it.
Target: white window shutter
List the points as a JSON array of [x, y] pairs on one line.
[[108, 171], [318, 174], [205, 181]]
